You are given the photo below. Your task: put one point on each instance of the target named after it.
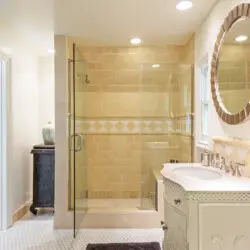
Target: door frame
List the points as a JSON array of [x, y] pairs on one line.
[[5, 142]]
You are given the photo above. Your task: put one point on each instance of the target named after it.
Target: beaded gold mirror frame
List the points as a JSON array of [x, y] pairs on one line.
[[242, 10]]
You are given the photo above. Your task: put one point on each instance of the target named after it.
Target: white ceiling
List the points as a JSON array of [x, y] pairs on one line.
[[31, 24], [114, 22], [26, 25]]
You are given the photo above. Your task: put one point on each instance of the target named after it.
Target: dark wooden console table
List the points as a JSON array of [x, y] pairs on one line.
[[43, 177]]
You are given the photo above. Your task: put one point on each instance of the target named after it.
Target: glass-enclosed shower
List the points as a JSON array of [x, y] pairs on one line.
[[133, 112]]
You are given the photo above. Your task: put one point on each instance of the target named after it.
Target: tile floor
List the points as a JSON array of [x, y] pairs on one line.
[[38, 233]]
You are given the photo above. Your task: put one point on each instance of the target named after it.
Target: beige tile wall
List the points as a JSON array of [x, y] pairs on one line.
[[234, 149], [127, 105], [114, 165], [184, 102]]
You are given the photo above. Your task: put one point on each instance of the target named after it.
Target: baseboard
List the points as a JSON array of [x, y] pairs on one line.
[[20, 212]]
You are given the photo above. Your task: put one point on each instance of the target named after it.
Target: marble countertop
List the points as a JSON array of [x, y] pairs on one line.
[[226, 183]]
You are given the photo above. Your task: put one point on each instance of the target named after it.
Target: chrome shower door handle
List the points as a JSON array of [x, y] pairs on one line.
[[79, 142]]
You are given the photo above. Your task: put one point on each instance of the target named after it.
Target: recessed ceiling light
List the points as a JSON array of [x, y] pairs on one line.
[[241, 38], [156, 65], [135, 41], [51, 51], [184, 5]]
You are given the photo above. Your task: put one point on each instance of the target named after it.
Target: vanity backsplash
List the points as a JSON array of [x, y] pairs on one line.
[[236, 150]]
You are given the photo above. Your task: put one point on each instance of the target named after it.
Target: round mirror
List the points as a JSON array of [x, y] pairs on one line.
[[230, 71], [233, 73]]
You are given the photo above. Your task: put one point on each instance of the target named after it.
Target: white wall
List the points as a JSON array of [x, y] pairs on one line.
[[63, 217], [204, 42], [24, 39], [24, 119], [22, 128], [46, 92]]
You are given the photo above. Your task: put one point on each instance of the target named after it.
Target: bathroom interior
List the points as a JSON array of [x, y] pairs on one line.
[[151, 114], [134, 112], [142, 116]]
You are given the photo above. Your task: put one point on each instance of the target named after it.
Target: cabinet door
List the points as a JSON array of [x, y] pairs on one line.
[[224, 226], [43, 184], [176, 235]]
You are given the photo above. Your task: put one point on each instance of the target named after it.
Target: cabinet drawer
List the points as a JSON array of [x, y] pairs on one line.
[[174, 195]]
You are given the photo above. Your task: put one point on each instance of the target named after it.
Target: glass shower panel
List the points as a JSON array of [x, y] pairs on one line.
[[137, 117], [113, 132], [77, 154], [166, 129], [184, 121]]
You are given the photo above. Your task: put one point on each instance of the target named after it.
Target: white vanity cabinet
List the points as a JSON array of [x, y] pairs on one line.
[[176, 233], [205, 220]]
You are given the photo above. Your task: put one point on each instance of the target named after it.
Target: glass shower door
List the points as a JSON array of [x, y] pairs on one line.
[[167, 131], [78, 166]]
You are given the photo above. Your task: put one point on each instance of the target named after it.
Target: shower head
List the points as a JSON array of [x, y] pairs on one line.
[[87, 79]]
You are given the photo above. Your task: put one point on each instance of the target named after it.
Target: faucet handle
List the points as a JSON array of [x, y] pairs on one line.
[[237, 169], [223, 164], [240, 164], [231, 167], [222, 160], [215, 159]]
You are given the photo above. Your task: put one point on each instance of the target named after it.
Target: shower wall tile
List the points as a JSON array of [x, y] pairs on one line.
[[113, 165], [122, 104], [127, 105], [188, 52]]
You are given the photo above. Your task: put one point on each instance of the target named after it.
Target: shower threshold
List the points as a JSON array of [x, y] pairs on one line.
[[117, 204]]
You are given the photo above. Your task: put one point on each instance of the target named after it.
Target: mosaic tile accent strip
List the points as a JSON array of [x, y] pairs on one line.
[[134, 126]]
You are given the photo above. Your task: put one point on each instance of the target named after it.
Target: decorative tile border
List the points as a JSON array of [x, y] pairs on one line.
[[182, 125]]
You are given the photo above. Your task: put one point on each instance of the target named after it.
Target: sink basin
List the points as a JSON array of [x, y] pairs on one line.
[[193, 177], [198, 173]]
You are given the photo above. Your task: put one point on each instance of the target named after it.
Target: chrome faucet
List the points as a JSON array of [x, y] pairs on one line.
[[216, 160], [236, 169], [223, 165], [231, 167]]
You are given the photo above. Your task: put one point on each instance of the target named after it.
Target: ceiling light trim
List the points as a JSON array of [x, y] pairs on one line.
[[156, 65], [136, 41], [184, 5], [241, 38]]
